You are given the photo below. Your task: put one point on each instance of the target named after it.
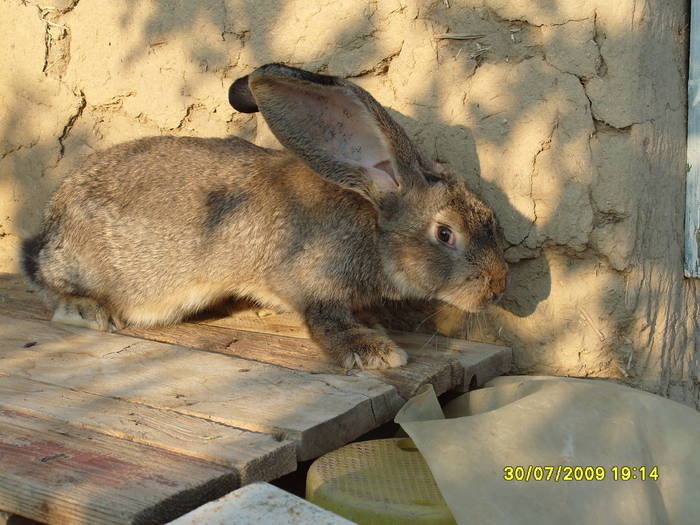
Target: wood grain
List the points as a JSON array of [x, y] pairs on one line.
[[260, 503], [18, 301], [479, 362], [287, 324], [445, 363], [272, 386], [249, 394], [56, 473], [282, 340], [425, 366], [319, 412], [254, 456]]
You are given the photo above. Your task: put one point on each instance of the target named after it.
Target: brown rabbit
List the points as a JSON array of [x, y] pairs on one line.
[[349, 214]]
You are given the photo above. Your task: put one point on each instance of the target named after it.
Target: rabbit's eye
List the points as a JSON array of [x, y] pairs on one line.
[[444, 234]]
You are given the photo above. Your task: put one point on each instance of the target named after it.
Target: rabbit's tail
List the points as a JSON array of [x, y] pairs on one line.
[[29, 260]]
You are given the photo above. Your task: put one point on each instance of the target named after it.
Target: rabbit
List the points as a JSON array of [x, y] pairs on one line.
[[349, 214]]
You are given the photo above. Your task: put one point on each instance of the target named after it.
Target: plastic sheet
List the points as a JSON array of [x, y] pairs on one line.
[[511, 452]]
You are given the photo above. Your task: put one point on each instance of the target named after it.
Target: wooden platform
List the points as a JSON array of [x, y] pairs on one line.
[[260, 503], [143, 425]]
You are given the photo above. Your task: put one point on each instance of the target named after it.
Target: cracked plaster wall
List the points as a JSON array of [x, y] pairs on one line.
[[568, 116]]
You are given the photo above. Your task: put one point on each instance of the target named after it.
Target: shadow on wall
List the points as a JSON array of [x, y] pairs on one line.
[[515, 92]]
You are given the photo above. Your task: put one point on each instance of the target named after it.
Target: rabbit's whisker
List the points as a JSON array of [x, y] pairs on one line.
[[437, 311]]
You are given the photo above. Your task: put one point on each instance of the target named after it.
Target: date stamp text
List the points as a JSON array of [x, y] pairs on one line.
[[560, 473]]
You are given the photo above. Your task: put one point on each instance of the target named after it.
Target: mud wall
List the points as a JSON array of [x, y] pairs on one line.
[[568, 116]]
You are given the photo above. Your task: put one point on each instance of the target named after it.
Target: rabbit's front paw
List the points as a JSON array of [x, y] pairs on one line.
[[367, 349]]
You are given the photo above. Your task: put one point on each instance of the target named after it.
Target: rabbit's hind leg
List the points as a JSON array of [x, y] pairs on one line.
[[86, 313]]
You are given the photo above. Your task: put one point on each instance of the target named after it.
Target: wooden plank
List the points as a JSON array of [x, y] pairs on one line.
[[692, 194], [445, 363], [53, 472], [260, 503], [254, 456], [479, 362], [305, 355], [282, 339], [289, 352], [254, 320], [17, 300], [320, 412]]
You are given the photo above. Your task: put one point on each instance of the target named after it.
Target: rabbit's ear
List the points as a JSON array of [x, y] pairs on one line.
[[337, 129], [240, 97]]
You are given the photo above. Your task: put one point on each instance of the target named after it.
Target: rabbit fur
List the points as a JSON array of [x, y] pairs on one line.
[[347, 215]]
